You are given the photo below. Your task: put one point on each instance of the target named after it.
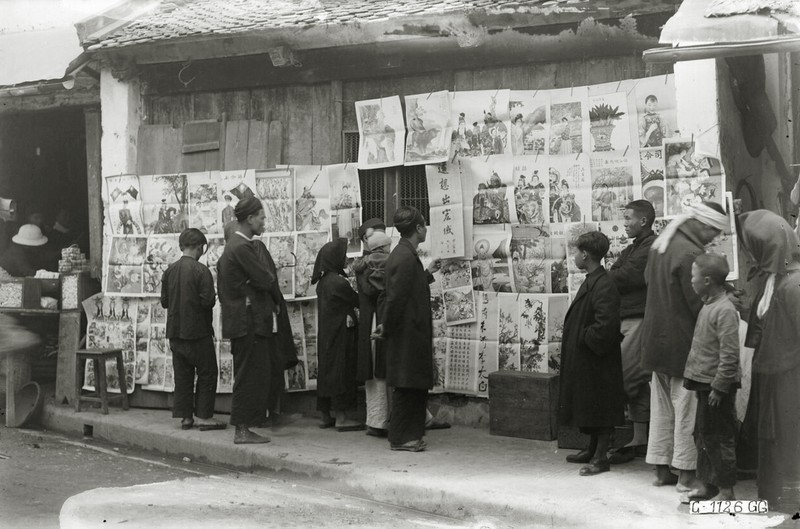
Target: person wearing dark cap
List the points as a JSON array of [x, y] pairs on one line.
[[187, 292], [337, 339], [250, 299], [407, 327]]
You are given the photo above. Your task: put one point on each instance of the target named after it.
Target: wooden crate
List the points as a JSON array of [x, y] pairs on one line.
[[523, 405]]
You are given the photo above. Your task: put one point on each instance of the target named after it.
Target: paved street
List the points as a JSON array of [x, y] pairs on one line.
[[39, 471]]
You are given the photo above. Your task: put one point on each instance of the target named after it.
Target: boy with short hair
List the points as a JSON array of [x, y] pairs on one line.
[[187, 292], [712, 371]]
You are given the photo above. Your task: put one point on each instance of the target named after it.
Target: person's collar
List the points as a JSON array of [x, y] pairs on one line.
[[245, 237], [406, 242], [595, 271], [689, 234], [645, 234], [708, 299]]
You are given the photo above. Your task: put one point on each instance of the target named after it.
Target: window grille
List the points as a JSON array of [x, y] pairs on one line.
[[413, 189]]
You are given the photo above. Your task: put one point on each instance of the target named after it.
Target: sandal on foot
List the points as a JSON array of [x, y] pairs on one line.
[[411, 446]]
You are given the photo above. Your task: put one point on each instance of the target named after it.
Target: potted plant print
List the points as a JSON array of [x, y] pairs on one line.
[[602, 118]]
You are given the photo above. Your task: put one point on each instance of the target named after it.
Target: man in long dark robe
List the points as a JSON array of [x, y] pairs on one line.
[[407, 326], [250, 299], [336, 338]]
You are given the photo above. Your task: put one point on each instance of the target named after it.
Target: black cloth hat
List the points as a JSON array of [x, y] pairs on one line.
[[245, 208]]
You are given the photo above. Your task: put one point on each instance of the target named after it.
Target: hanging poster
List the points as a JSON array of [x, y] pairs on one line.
[[281, 248], [533, 319], [381, 132], [345, 193], [508, 329], [531, 258], [488, 338], [531, 194], [569, 120], [203, 203], [559, 271], [111, 323], [296, 377], [490, 259], [652, 171], [429, 128], [124, 205], [691, 177], [656, 106], [123, 270], [307, 245], [570, 189], [554, 358], [461, 372], [614, 184], [312, 197], [143, 317], [309, 311], [162, 251], [617, 238], [530, 126], [492, 184], [439, 334], [165, 201], [446, 211], [457, 292], [216, 245], [557, 312], [608, 122], [225, 363], [275, 189], [233, 186], [482, 124]]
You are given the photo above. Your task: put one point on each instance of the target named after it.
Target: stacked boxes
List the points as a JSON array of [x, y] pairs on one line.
[[72, 260]]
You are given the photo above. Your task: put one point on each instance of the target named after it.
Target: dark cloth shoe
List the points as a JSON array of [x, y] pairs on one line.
[[352, 428], [623, 455], [411, 446], [244, 436], [328, 423], [187, 424], [595, 468], [584, 456], [437, 425], [205, 425], [377, 432]]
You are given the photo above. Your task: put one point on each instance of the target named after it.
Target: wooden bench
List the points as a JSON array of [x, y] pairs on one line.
[[99, 358]]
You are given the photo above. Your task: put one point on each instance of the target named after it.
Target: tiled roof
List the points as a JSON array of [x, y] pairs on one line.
[[174, 19], [722, 8]]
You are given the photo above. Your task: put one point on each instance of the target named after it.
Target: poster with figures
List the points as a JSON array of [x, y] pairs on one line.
[[381, 132], [430, 130], [158, 358], [531, 256], [559, 270], [281, 248], [124, 265], [691, 178], [225, 367], [492, 185], [609, 118], [275, 189], [531, 195], [345, 193], [508, 332], [162, 251], [439, 334], [457, 292], [533, 314], [165, 201], [216, 245], [233, 186], [570, 188], [617, 238], [307, 245], [312, 197], [124, 205], [569, 120], [530, 126], [614, 184], [481, 123], [142, 336], [111, 323], [296, 377], [446, 212], [309, 312], [652, 169], [203, 205], [491, 271], [656, 107]]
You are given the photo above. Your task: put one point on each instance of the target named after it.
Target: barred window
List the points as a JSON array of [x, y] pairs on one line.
[[384, 190]]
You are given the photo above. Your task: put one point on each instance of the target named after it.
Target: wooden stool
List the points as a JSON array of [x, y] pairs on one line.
[[99, 357]]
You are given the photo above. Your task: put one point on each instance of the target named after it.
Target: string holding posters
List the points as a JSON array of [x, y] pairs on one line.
[[275, 189], [446, 211], [531, 194], [345, 199], [492, 184], [165, 203], [482, 124], [614, 184], [124, 205], [569, 120], [381, 131], [429, 128], [530, 123], [312, 197]]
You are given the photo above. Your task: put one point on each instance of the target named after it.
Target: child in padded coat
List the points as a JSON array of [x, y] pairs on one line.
[[379, 245]]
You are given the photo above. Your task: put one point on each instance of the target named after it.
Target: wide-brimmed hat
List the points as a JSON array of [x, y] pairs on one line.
[[29, 235]]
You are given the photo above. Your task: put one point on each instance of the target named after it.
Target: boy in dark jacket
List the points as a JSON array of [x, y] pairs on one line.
[[591, 397], [187, 292]]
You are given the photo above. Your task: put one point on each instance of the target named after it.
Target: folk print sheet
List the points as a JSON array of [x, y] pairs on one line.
[[569, 121], [345, 193], [531, 193], [307, 245], [381, 131], [281, 248], [165, 203], [275, 189], [462, 357], [233, 186], [439, 334], [652, 169], [309, 311], [617, 238], [570, 188], [124, 265], [656, 108], [488, 336], [445, 197], [111, 323], [491, 179], [124, 206], [457, 292], [162, 251], [481, 123], [508, 333], [430, 129], [609, 122], [533, 320], [530, 123], [614, 184], [296, 377], [225, 367], [203, 202], [691, 178], [491, 271], [531, 259], [312, 197]]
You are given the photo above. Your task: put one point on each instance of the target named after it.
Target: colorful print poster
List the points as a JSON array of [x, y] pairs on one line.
[[531, 258], [690, 177], [162, 251], [656, 107], [653, 183], [530, 125], [570, 189], [491, 181], [569, 121], [614, 184], [275, 189], [307, 246], [124, 205], [281, 248], [457, 292], [381, 131], [203, 205], [345, 199], [531, 194], [165, 203], [490, 259], [111, 323], [233, 186], [124, 265], [481, 121], [609, 122], [446, 212], [312, 197], [428, 119]]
